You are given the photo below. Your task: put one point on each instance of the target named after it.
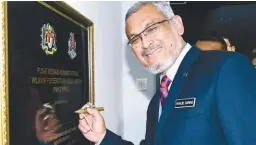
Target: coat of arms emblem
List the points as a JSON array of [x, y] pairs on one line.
[[72, 46], [48, 36]]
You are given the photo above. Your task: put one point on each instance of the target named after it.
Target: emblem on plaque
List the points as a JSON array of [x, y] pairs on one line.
[[48, 36], [72, 45]]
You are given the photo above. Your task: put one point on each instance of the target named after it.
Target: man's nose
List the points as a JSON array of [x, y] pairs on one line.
[[146, 42]]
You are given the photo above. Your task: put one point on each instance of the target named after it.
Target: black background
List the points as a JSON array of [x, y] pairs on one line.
[[235, 20]]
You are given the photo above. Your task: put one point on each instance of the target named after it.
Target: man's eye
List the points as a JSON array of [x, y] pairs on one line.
[[151, 29]]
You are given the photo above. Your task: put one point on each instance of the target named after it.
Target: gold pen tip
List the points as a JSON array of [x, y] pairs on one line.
[[80, 111]]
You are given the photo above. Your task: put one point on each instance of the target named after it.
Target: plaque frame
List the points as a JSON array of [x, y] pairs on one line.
[[62, 9]]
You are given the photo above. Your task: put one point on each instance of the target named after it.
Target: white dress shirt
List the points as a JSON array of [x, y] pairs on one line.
[[171, 72]]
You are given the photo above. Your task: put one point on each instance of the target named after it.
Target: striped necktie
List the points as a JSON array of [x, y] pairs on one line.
[[164, 89]]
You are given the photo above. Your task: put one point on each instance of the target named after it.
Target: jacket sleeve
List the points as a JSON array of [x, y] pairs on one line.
[[113, 139], [236, 100]]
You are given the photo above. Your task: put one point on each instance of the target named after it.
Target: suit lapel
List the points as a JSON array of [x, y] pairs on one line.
[[155, 113], [177, 85]]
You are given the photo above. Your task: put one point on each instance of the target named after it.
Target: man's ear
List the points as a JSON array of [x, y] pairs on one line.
[[177, 23], [233, 48]]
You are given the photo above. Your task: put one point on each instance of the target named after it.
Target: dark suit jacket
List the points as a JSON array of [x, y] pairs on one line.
[[223, 84]]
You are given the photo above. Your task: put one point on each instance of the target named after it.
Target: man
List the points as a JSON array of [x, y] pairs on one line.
[[205, 98], [211, 43], [230, 46]]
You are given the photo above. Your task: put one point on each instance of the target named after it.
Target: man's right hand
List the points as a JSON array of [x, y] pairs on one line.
[[92, 125]]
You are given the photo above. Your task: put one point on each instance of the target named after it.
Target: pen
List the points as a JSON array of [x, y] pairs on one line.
[[81, 111]]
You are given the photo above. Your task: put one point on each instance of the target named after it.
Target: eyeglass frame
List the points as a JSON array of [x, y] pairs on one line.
[[160, 22]]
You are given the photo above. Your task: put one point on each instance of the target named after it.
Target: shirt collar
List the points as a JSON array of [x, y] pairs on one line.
[[171, 72]]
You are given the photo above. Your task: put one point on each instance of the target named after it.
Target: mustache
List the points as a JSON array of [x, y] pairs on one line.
[[150, 49]]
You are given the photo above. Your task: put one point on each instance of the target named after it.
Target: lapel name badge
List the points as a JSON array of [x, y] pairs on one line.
[[186, 102]]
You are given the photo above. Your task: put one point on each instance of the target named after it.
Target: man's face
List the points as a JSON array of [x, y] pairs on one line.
[[229, 47], [209, 45], [160, 44]]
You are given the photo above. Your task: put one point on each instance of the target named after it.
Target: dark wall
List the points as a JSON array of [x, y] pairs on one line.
[[233, 19]]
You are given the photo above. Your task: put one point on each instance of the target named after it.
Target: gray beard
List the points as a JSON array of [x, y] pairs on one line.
[[161, 67], [165, 64]]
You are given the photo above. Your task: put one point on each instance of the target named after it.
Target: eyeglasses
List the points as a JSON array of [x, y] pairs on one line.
[[147, 32]]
